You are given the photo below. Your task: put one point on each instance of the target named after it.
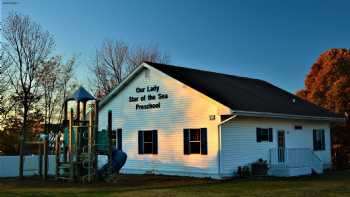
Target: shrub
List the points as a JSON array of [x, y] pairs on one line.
[[243, 171], [260, 168]]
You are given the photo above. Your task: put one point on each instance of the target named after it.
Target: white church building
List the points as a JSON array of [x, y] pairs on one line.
[[180, 121]]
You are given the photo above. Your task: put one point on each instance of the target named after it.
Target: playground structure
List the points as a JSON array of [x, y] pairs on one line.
[[79, 143]]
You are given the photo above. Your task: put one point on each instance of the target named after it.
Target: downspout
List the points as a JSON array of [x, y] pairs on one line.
[[219, 146]]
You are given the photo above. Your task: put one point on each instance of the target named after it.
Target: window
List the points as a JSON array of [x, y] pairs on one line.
[[318, 138], [119, 139], [148, 142], [195, 141], [264, 135], [298, 127]]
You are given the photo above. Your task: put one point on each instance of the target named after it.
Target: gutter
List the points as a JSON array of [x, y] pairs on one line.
[[287, 116], [219, 136]]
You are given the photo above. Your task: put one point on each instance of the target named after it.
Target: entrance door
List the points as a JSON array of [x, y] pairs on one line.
[[281, 145]]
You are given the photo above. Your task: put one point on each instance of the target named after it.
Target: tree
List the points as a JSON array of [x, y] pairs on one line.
[[145, 54], [3, 87], [48, 81], [9, 136], [328, 82], [116, 59], [27, 46], [65, 79], [328, 85], [54, 80], [108, 67]]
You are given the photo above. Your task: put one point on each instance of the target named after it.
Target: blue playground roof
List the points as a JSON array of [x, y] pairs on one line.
[[81, 95]]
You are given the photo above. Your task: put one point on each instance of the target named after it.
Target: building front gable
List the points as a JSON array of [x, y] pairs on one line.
[[154, 101]]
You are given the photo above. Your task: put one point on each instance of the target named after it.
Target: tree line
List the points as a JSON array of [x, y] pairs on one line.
[[328, 85]]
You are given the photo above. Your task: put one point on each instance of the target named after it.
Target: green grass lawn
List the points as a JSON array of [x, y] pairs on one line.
[[329, 184]]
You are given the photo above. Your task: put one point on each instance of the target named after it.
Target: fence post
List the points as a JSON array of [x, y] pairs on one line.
[[58, 151], [45, 144], [40, 160]]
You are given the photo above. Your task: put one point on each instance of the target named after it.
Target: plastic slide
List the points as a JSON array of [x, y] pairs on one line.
[[118, 161]]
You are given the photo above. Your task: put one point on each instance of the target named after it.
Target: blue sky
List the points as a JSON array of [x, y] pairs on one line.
[[272, 40]]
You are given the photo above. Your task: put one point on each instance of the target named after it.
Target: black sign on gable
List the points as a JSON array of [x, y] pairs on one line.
[[150, 94]]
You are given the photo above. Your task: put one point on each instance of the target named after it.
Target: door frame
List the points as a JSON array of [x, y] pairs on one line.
[[281, 145]]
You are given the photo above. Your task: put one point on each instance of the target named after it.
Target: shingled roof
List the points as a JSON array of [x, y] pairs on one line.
[[244, 94]]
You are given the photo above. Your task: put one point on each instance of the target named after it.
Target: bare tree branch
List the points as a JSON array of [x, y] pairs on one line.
[[108, 66], [145, 54], [115, 60]]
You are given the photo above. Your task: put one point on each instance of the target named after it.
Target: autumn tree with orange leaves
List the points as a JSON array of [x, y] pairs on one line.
[[328, 85]]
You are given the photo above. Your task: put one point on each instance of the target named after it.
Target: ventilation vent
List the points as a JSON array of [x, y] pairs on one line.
[[147, 73]]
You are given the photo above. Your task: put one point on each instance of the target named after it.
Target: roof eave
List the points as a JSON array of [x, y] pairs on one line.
[[119, 87], [287, 116]]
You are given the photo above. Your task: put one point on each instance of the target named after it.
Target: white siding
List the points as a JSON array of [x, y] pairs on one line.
[[185, 108], [239, 146]]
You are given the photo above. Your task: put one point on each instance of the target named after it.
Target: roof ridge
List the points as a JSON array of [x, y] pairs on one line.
[[206, 71]]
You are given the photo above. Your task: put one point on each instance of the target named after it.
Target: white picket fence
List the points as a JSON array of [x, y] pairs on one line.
[[9, 165]]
